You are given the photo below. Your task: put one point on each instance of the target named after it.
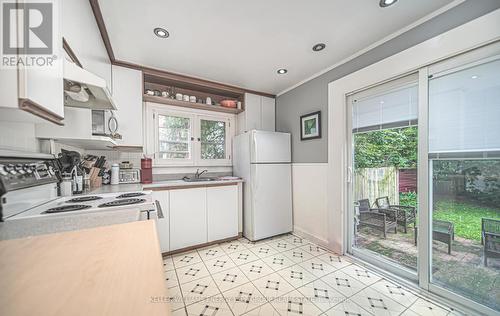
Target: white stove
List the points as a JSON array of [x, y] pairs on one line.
[[85, 204]]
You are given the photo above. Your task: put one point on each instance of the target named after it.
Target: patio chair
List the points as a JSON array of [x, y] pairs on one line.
[[405, 214], [442, 231], [371, 217], [490, 238]]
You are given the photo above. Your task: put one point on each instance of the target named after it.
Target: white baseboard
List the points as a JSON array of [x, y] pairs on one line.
[[317, 240]]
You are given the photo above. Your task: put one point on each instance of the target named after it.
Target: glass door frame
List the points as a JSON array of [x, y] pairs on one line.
[[365, 255], [422, 277], [466, 60]]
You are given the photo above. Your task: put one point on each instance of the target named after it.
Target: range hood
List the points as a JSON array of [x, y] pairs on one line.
[[84, 89]]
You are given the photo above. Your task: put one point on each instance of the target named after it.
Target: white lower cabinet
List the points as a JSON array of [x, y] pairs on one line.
[[196, 216], [222, 212], [162, 224], [188, 217]]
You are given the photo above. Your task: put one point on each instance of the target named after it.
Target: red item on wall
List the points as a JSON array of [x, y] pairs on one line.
[[146, 170]]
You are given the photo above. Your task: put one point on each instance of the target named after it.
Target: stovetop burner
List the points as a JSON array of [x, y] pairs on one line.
[[122, 202], [84, 199], [66, 208], [129, 195]]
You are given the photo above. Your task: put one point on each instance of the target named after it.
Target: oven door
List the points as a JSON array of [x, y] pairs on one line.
[[154, 214]]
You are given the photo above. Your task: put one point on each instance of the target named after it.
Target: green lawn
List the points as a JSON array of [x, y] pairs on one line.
[[465, 216]]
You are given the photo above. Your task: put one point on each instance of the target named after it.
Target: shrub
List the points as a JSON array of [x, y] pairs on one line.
[[408, 199]]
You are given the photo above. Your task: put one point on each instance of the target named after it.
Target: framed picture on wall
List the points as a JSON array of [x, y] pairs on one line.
[[310, 126]]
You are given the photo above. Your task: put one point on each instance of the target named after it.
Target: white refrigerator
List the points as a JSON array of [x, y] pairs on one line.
[[263, 160]]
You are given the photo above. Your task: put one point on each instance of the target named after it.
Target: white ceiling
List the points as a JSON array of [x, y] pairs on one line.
[[244, 42]]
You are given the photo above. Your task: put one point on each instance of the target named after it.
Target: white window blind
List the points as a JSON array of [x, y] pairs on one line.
[[389, 105], [464, 110]]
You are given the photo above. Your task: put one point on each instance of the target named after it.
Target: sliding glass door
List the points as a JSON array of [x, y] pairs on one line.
[[424, 177], [384, 184], [464, 188]]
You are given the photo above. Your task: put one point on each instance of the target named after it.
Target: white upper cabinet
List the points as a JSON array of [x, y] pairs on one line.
[[268, 114], [259, 114], [79, 29], [253, 112], [33, 88], [127, 94]]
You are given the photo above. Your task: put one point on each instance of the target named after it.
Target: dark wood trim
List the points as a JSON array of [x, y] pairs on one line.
[[38, 110], [193, 80], [191, 248], [191, 105], [188, 186], [71, 53], [96, 9]]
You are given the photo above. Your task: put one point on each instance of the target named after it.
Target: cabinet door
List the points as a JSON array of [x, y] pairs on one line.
[[40, 88], [222, 210], [188, 217], [127, 93], [268, 114], [79, 28], [253, 112], [162, 224]]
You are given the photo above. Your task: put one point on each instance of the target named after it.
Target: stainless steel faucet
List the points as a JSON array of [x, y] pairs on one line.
[[198, 173]]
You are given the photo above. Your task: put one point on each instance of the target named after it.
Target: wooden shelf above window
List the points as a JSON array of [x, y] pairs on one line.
[[191, 105]]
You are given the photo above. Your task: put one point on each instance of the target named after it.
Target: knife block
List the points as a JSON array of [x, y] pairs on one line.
[[95, 180]]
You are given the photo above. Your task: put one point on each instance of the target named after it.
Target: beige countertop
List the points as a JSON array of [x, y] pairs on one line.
[[181, 183], [169, 184], [111, 270]]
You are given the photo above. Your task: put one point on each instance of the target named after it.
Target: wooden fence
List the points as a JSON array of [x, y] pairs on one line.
[[371, 183], [407, 180]]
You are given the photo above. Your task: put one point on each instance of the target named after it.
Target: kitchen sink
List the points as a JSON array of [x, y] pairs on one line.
[[198, 179]]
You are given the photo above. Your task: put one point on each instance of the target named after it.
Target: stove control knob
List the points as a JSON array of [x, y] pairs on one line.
[[3, 170], [10, 169], [19, 169]]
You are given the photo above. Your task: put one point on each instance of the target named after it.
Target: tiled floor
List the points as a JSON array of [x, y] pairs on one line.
[[285, 275]]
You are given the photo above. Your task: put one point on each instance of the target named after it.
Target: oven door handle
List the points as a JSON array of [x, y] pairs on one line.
[[158, 209]]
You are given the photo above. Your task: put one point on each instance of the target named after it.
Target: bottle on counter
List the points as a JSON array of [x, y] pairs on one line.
[[77, 178], [146, 170], [66, 185], [115, 173]]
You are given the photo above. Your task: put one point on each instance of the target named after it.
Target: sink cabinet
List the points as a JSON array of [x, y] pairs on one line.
[[222, 212], [188, 217], [196, 216]]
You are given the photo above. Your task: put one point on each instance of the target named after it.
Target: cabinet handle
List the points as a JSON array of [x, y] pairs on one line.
[[199, 139], [192, 138]]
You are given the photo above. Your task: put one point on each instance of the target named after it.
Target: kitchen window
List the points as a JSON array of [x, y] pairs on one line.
[[188, 138], [213, 139], [174, 135]]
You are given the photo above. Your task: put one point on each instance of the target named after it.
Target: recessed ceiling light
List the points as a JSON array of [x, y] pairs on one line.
[[386, 3], [161, 32], [282, 71], [474, 77], [318, 47]]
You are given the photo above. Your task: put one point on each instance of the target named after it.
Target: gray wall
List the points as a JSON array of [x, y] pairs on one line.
[[313, 95]]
